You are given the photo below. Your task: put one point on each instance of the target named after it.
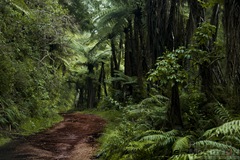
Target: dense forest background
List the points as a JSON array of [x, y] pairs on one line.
[[171, 68]]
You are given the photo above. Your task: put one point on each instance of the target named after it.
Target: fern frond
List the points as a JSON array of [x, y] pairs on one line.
[[157, 98], [212, 154], [223, 113], [232, 139], [184, 157], [182, 144], [229, 128], [209, 145], [21, 5], [136, 146], [162, 139]]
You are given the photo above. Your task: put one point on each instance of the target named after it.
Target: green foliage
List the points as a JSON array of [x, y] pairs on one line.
[[210, 3], [134, 137], [34, 125], [109, 103], [151, 112], [192, 101], [218, 143], [228, 128], [201, 49], [168, 70], [32, 81], [182, 144]]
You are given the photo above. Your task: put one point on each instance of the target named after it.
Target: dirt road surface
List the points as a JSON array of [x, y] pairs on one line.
[[72, 139]]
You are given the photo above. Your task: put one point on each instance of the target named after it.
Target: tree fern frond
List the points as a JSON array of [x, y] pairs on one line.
[[223, 113], [162, 139], [182, 144], [184, 157], [112, 15], [208, 145], [229, 128], [21, 5], [232, 139], [157, 98], [213, 154], [136, 146]]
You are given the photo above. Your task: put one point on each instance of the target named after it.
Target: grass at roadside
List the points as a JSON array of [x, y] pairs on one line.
[[4, 139], [34, 125], [112, 116], [29, 126]]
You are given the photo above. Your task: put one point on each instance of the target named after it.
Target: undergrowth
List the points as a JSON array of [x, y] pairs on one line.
[[34, 125], [143, 132]]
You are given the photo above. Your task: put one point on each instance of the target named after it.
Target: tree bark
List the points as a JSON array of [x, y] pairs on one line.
[[232, 33]]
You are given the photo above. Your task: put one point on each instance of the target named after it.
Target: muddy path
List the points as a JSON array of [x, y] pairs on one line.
[[72, 139]]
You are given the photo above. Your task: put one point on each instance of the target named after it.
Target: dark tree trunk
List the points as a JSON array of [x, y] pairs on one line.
[[157, 24], [138, 40], [114, 55], [196, 17], [101, 82], [80, 102], [174, 40], [232, 33], [90, 87], [127, 57], [175, 114]]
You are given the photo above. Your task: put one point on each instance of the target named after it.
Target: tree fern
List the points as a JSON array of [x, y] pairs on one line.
[[205, 145], [162, 139], [229, 128], [182, 144], [21, 5], [184, 157], [222, 113]]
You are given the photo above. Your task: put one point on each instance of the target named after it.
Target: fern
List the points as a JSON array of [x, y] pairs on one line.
[[162, 139], [222, 113], [212, 154], [184, 157], [208, 144], [229, 128], [21, 5], [182, 144]]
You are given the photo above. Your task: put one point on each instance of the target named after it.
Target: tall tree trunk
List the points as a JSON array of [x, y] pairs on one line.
[[232, 33], [90, 87], [101, 82], [175, 112], [127, 57], [157, 24], [174, 40], [196, 17], [138, 40]]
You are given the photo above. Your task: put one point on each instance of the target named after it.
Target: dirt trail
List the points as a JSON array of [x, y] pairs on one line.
[[72, 139]]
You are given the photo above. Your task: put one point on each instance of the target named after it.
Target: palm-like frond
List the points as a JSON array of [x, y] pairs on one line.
[[21, 5], [113, 15], [184, 157], [121, 77], [182, 144], [213, 154], [229, 128], [207, 145], [223, 113], [162, 139]]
